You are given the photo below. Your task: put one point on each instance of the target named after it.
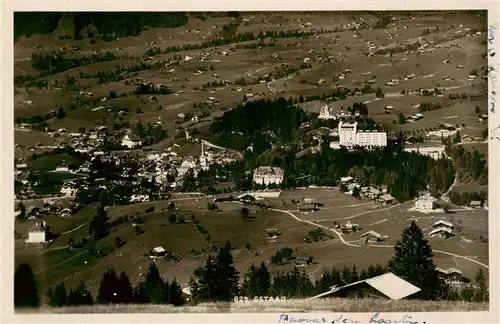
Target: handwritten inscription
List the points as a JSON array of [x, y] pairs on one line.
[[492, 73], [375, 318], [284, 318], [406, 319]]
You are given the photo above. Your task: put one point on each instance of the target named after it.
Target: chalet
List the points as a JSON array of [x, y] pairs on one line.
[[452, 276], [441, 229], [385, 199], [305, 207], [425, 204], [246, 198], [131, 141], [475, 204], [302, 261], [388, 109], [66, 212], [350, 227], [272, 232], [371, 237], [157, 252], [373, 193]]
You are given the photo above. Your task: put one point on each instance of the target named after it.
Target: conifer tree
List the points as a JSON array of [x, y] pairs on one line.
[[413, 262], [99, 226], [125, 291], [263, 280], [58, 296], [109, 288], [481, 294], [25, 287], [226, 275], [206, 281], [155, 285], [194, 290], [250, 282], [140, 295], [175, 294], [80, 296]]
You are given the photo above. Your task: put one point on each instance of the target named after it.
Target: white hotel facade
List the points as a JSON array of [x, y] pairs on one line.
[[349, 136]]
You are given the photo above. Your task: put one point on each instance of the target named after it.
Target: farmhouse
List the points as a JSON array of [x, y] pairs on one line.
[[305, 207], [425, 204], [371, 237], [272, 232], [350, 227], [385, 199], [441, 229], [301, 261], [66, 212], [131, 141], [388, 109], [452, 276], [268, 175], [157, 252]]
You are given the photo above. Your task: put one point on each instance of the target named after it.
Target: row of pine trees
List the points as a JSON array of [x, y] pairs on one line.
[[219, 280]]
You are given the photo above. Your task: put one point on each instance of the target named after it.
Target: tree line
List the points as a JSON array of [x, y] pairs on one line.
[[219, 280], [52, 63]]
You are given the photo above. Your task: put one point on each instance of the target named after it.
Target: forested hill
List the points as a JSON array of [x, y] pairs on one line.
[[108, 25], [257, 122]]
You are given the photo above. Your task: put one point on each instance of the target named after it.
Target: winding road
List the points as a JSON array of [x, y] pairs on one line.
[[371, 245], [318, 225]]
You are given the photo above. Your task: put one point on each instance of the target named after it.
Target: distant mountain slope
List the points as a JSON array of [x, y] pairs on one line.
[[107, 25]]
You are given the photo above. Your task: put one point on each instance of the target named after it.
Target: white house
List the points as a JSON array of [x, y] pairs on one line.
[[36, 234], [425, 204], [267, 175], [131, 141], [63, 167], [433, 151]]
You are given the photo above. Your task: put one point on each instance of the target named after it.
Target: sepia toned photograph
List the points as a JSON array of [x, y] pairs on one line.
[[258, 161]]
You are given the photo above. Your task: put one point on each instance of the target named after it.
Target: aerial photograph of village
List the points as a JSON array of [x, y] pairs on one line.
[[251, 161]]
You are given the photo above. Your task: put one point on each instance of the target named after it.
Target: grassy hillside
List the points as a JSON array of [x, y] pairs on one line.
[[297, 305]]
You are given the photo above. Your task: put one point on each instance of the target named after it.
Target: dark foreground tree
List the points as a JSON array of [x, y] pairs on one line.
[[125, 291], [413, 262], [58, 296], [226, 274], [80, 296], [25, 287], [175, 294], [481, 294], [109, 288]]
